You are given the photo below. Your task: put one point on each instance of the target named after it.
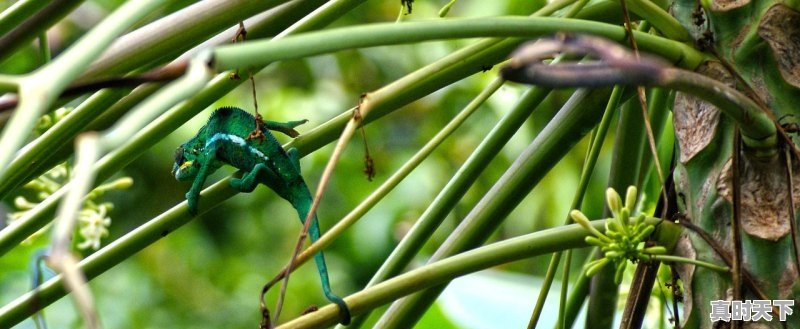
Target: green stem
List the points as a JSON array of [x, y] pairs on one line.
[[399, 175], [51, 147], [580, 289], [442, 271], [569, 125], [174, 34], [586, 174], [27, 19], [455, 189], [36, 218], [196, 77], [34, 159], [9, 83], [660, 19], [625, 167], [371, 35], [40, 89], [758, 129], [44, 48], [678, 259]]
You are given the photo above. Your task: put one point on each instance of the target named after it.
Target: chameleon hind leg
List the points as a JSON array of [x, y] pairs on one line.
[[249, 180]]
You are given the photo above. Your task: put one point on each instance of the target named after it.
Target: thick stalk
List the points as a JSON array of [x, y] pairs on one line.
[[168, 37], [586, 174], [526, 246], [455, 189], [625, 167], [575, 118], [371, 35], [36, 218], [26, 20], [39, 90]]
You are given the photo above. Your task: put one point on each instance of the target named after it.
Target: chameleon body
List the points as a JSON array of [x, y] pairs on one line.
[[226, 139]]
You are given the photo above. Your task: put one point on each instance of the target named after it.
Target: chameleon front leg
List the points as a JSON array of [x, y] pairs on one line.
[[192, 197]]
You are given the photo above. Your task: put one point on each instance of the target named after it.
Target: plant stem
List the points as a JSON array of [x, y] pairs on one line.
[[758, 130], [170, 36], [444, 270], [36, 218], [586, 174], [40, 89], [677, 259], [27, 19], [574, 119], [371, 35], [398, 176]]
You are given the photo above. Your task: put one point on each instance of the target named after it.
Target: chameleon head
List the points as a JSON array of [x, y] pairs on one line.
[[186, 166]]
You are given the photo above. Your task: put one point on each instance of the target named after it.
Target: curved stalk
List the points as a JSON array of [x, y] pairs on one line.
[[40, 89], [618, 66], [371, 35], [442, 271], [39, 216], [26, 20]]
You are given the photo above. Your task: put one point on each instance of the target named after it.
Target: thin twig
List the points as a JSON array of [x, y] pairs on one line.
[[675, 295], [748, 278], [736, 266], [166, 73], [643, 103], [61, 257]]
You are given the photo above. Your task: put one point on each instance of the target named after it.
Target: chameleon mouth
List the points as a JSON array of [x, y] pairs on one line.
[[184, 165], [179, 170]]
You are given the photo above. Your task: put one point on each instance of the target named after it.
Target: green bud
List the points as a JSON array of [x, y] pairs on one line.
[[620, 271], [122, 183], [594, 241], [614, 201], [630, 197], [655, 250], [595, 266], [22, 203], [646, 231], [613, 224], [625, 216], [443, 12], [639, 219], [579, 218]]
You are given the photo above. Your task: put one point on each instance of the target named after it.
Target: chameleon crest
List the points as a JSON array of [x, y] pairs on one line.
[[226, 139]]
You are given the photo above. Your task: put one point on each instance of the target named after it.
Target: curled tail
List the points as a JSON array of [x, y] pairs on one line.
[[303, 207]]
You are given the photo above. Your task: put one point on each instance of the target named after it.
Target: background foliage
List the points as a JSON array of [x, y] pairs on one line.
[[209, 273]]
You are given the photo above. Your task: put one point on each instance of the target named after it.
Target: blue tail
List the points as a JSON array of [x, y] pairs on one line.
[[303, 207]]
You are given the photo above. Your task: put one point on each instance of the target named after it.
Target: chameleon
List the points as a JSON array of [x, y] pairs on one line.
[[234, 137]]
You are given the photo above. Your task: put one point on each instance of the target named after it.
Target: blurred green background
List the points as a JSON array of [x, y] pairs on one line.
[[209, 273]]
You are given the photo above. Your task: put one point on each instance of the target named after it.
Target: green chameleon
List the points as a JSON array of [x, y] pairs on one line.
[[230, 137]]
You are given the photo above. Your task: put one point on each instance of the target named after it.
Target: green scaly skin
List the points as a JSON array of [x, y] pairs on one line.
[[225, 140]]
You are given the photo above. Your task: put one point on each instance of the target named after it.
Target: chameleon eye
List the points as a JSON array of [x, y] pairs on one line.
[[179, 155]]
